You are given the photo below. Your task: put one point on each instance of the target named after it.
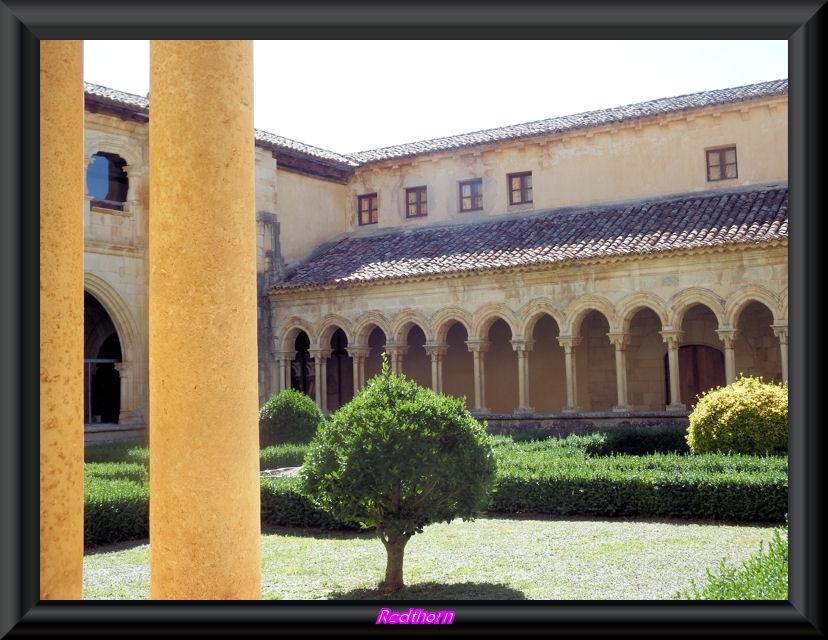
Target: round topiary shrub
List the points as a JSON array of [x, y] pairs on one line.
[[748, 416], [288, 416]]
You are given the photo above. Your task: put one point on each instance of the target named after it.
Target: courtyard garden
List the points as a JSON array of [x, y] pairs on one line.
[[629, 513]]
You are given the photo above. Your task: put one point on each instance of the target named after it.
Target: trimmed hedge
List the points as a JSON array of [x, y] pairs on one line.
[[560, 476]]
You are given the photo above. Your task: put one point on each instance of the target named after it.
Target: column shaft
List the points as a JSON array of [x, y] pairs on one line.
[[61, 319], [204, 444]]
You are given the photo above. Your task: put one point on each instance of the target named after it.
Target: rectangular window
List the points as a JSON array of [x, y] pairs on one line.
[[367, 208], [471, 195], [721, 164], [416, 203], [520, 187]]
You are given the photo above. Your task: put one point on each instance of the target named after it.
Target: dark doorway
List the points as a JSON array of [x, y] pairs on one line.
[[102, 351], [302, 374], [701, 368]]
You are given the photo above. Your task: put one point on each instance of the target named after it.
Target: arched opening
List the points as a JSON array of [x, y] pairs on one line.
[[339, 372], [102, 351], [107, 182], [302, 373]]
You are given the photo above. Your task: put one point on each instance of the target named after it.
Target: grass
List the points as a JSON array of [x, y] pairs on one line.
[[492, 558], [496, 558]]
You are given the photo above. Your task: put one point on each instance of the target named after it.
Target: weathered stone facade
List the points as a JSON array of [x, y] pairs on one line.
[[641, 258]]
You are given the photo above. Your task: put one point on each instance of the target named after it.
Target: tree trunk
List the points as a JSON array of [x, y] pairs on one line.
[[394, 548]]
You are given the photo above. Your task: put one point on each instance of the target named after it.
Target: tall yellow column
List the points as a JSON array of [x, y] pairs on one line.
[[203, 427], [61, 319]]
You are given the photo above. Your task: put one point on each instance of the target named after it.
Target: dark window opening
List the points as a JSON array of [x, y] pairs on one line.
[[107, 181]]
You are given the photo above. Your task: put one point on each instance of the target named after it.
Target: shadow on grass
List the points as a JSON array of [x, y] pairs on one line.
[[435, 591], [94, 549], [316, 532]]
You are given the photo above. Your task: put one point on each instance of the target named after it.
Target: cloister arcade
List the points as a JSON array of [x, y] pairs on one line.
[[644, 354]]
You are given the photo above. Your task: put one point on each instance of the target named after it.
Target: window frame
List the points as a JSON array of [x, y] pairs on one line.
[[420, 205], [372, 211], [523, 194], [476, 195], [720, 154]]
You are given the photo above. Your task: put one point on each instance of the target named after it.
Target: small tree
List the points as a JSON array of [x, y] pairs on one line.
[[397, 458]]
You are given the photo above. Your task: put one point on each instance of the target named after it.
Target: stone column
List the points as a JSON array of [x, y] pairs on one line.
[[436, 351], [205, 515], [396, 352], [569, 343], [479, 347], [320, 372], [523, 347], [128, 413], [673, 337], [781, 332], [62, 187], [358, 353], [283, 358], [728, 336], [620, 340]]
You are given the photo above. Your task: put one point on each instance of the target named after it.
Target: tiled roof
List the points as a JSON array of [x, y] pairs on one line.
[[693, 221], [104, 94], [561, 124], [585, 120]]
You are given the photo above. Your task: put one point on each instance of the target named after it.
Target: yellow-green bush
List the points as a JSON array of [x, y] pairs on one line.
[[748, 416]]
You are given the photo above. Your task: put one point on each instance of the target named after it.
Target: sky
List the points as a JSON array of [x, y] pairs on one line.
[[354, 95]]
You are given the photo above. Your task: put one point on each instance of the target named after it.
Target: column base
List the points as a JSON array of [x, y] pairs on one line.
[[524, 410], [675, 407]]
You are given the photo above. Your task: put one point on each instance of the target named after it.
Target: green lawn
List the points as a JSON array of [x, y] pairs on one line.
[[500, 558]]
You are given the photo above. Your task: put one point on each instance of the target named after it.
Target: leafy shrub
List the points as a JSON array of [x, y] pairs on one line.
[[288, 416], [763, 577], [748, 416]]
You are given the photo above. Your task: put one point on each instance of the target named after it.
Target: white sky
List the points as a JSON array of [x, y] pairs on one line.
[[354, 95]]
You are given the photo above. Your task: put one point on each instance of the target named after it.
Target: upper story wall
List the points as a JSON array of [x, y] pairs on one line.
[[642, 158]]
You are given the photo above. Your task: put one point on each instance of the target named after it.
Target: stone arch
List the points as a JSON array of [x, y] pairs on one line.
[[629, 306], [132, 370], [487, 315], [403, 322], [291, 329], [738, 300], [683, 300], [576, 312], [120, 313], [327, 326], [529, 315], [366, 323], [443, 319]]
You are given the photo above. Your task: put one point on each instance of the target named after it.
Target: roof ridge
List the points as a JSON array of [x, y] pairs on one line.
[[585, 119]]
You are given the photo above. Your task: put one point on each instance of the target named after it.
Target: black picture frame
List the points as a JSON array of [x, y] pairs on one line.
[[24, 23]]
